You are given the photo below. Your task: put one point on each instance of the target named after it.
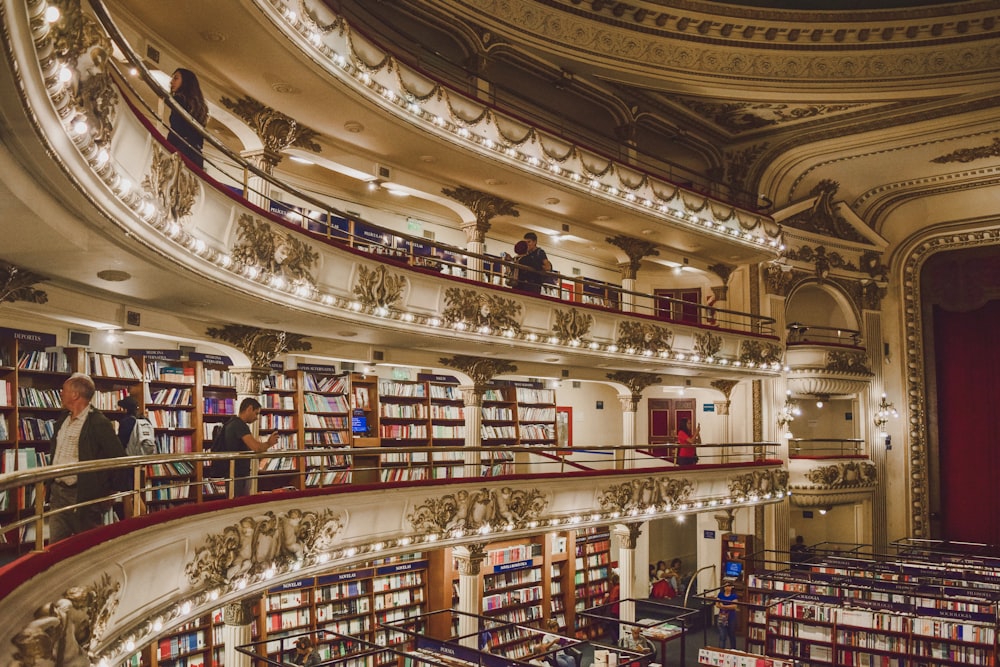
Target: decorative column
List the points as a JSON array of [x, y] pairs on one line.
[[481, 371], [722, 409], [276, 132], [628, 535], [261, 346], [237, 631], [879, 451], [630, 405], [470, 562], [636, 382], [635, 249], [485, 207]]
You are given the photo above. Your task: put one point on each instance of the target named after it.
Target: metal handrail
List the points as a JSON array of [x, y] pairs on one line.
[[586, 292]]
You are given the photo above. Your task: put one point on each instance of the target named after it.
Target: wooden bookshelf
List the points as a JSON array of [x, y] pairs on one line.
[[325, 422], [849, 611], [591, 577]]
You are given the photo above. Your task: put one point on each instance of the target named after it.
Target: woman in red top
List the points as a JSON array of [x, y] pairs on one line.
[[686, 454]]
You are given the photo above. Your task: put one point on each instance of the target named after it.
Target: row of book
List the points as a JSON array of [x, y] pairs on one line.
[[277, 402], [174, 396], [218, 405], [54, 361], [398, 598], [404, 389], [327, 384], [494, 582], [403, 410], [107, 365], [536, 414], [311, 420], [159, 371], [320, 403], [6, 394], [30, 397]]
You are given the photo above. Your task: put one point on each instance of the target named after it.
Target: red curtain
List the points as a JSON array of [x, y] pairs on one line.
[[968, 391]]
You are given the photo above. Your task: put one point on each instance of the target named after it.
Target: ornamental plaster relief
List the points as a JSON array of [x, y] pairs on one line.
[[683, 50]]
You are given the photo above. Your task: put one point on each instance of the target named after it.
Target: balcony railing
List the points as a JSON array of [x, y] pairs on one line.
[[161, 482], [826, 448], [321, 221], [812, 334]]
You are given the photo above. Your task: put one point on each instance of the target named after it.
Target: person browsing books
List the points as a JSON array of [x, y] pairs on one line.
[[236, 437], [82, 433]]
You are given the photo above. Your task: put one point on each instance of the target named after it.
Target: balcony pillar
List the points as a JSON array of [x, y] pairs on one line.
[[473, 397], [627, 536], [630, 405], [470, 561], [237, 631]]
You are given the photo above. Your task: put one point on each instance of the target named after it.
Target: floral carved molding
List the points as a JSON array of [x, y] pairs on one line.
[[66, 631], [758, 484], [761, 354], [848, 474], [17, 284], [471, 511], [640, 494], [175, 189], [479, 309], [267, 255], [707, 344], [572, 325], [375, 288], [257, 543], [260, 345], [644, 336]]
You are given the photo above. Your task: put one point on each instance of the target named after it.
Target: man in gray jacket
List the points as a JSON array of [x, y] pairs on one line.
[[84, 434]]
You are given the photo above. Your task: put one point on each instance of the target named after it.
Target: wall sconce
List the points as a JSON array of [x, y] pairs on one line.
[[820, 399], [824, 510], [789, 411], [885, 410]]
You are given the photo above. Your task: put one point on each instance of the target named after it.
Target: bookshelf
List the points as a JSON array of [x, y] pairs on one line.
[[447, 409], [850, 611], [279, 414], [591, 576], [404, 420], [536, 416], [169, 403], [326, 422]]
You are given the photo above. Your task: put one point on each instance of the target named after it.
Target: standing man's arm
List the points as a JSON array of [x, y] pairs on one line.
[[256, 445]]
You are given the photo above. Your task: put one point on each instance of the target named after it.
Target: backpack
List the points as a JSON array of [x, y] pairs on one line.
[[217, 468], [142, 442]]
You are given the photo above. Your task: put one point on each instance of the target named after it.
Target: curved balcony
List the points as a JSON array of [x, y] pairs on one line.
[[147, 575], [326, 264], [825, 361]]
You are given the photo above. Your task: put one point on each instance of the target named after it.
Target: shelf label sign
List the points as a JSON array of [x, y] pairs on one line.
[[169, 355], [440, 379], [216, 359], [292, 585], [323, 369], [345, 576], [35, 337], [708, 407], [402, 567], [508, 567]]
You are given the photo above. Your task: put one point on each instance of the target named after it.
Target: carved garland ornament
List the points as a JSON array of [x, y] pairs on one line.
[[173, 186], [762, 354], [473, 510], [707, 344], [759, 483], [636, 382], [644, 336], [843, 475], [572, 325], [66, 632], [480, 309], [847, 362], [256, 543], [270, 255], [275, 130], [377, 289], [639, 494], [16, 285], [260, 345]]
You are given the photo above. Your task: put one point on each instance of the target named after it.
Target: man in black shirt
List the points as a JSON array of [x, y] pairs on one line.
[[236, 437], [537, 264]]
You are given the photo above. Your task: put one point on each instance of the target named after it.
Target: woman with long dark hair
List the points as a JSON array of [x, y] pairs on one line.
[[184, 136]]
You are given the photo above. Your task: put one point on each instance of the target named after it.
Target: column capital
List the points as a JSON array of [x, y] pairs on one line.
[[627, 534], [470, 557], [262, 346], [629, 402], [275, 130], [485, 206], [482, 370], [238, 613], [635, 249]]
